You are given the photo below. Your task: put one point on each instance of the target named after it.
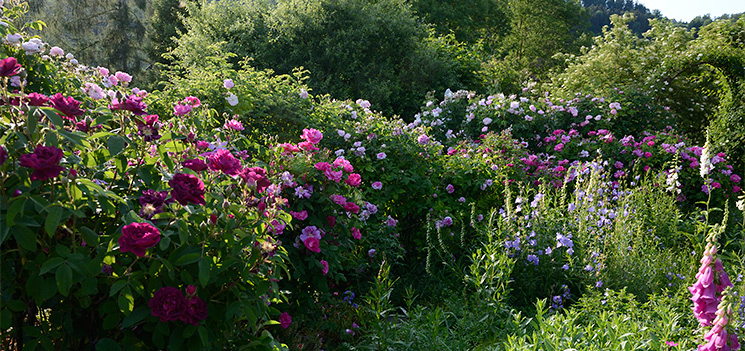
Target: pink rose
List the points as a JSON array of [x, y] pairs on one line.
[[301, 216], [138, 237], [356, 233], [354, 179], [181, 110], [312, 135], [325, 265], [338, 199], [255, 176], [313, 244], [193, 101]]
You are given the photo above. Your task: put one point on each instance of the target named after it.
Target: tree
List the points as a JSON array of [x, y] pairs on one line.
[[539, 32]]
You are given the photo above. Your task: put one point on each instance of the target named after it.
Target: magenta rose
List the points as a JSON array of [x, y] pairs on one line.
[[223, 160], [168, 304], [313, 136], [255, 176], [9, 67], [354, 179], [325, 267], [285, 320], [352, 207], [195, 165], [138, 237], [3, 155], [131, 103], [36, 99], [313, 244], [44, 161], [196, 310], [187, 188], [68, 106]]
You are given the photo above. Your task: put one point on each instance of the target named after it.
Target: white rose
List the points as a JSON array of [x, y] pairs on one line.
[[13, 38], [30, 47], [232, 99]]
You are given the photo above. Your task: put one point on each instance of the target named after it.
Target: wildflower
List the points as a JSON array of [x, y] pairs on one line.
[[706, 165]]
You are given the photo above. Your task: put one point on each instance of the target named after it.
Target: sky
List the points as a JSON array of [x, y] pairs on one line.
[[686, 10]]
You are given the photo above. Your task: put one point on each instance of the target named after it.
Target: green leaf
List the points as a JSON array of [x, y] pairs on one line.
[[203, 335], [107, 344], [50, 264], [25, 237], [116, 145], [17, 305], [32, 121], [64, 280], [76, 139], [187, 259], [118, 285], [126, 301], [135, 317], [204, 272], [52, 221], [16, 206], [90, 237], [53, 116]]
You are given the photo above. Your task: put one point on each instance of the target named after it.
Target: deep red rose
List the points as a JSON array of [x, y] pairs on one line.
[[168, 304], [195, 165], [9, 67], [187, 188], [255, 176], [223, 160], [44, 161], [196, 310], [69, 107], [138, 237]]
